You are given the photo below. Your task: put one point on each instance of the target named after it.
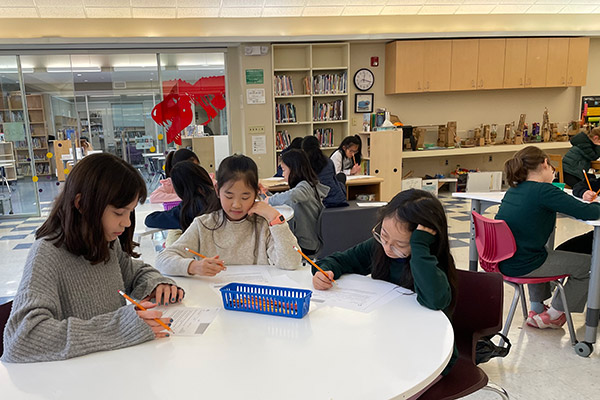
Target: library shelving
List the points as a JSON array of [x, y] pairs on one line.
[[7, 160], [310, 93], [12, 112]]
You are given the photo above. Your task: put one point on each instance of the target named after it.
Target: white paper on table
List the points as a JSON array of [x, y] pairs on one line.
[[372, 204], [188, 321], [353, 177], [357, 292], [255, 274]]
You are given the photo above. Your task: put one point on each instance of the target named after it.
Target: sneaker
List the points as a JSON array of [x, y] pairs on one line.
[[532, 314], [543, 321]]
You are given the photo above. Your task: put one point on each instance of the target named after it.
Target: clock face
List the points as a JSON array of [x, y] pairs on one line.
[[364, 79]]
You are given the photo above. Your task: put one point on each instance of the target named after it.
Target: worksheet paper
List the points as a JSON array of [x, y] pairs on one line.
[[188, 321], [353, 177], [255, 274]]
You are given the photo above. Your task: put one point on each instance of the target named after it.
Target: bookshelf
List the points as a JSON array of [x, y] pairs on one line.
[[12, 112], [7, 160], [310, 93]]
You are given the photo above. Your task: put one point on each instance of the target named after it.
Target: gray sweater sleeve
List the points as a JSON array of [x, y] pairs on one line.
[[280, 247], [36, 331], [175, 260], [301, 193]]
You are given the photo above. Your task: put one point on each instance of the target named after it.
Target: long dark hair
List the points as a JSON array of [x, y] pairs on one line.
[[417, 207], [100, 180], [195, 188], [318, 160], [349, 141], [525, 160], [177, 156], [300, 169]]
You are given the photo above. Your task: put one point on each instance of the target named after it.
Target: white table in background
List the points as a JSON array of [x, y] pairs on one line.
[[481, 201], [331, 353]]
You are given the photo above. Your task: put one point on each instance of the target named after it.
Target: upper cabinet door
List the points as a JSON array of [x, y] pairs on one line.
[[463, 74], [490, 71], [578, 61], [409, 66], [436, 68], [514, 63], [537, 62], [558, 55]]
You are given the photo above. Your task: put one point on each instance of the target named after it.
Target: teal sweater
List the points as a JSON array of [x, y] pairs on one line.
[[530, 212], [430, 282]]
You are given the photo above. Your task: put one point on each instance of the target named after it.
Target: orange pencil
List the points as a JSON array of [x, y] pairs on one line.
[[596, 195], [587, 180], [313, 264], [143, 309], [193, 252]]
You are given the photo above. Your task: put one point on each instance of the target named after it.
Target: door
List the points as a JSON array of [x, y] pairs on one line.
[[558, 55], [437, 61], [463, 74], [537, 62], [578, 61], [490, 69], [409, 66], [514, 63]]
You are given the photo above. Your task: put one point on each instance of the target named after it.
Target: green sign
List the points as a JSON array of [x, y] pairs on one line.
[[255, 77], [14, 131]]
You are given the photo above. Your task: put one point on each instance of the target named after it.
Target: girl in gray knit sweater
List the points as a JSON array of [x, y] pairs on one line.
[[68, 303]]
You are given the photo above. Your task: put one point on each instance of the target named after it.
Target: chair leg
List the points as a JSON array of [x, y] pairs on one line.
[[563, 297], [511, 312], [496, 389], [523, 302]]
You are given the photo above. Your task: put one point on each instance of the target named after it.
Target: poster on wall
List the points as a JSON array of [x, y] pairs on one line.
[[255, 77], [259, 144], [255, 96], [144, 142]]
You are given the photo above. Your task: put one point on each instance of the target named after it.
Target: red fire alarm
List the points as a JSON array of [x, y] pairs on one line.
[[374, 61]]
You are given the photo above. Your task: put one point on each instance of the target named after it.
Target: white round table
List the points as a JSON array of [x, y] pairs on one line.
[[332, 353]]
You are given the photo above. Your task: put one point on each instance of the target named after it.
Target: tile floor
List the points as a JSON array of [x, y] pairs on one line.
[[541, 364]]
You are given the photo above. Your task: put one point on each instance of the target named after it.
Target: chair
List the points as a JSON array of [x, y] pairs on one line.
[[556, 161], [341, 228], [478, 313], [495, 243], [5, 306]]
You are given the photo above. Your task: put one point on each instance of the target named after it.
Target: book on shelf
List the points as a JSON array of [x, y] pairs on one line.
[[283, 139], [283, 85], [306, 84], [325, 136], [330, 83], [328, 111], [285, 113]]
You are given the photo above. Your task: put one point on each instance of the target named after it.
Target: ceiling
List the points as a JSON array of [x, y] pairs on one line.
[[139, 9]]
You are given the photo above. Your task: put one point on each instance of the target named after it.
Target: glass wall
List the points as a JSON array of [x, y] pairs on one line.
[[82, 103]]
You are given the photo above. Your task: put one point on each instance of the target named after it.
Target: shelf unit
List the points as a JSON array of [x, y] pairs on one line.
[[7, 155], [92, 128], [304, 66], [12, 111]]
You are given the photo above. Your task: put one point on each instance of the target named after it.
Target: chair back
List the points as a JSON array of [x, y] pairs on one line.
[[495, 242], [556, 161], [478, 311]]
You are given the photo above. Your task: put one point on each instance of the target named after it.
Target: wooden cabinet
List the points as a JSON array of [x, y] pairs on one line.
[[537, 62], [577, 64], [490, 66], [558, 55], [437, 58], [211, 150], [463, 74], [381, 150], [514, 63]]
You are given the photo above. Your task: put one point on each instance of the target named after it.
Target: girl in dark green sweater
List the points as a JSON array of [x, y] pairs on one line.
[[409, 247], [529, 208]]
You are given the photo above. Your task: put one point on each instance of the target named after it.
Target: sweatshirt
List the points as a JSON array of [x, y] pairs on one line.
[[66, 307], [341, 163], [336, 197], [530, 212], [245, 242], [170, 219], [164, 193], [579, 156]]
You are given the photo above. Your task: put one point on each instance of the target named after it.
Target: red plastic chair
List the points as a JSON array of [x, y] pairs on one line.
[[495, 243]]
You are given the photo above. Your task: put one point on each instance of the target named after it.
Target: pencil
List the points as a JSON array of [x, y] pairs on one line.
[[596, 195], [313, 264], [587, 180], [138, 305], [193, 252]]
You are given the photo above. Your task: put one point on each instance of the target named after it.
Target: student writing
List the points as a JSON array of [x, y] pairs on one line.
[[409, 247], [586, 148], [305, 196], [529, 208], [243, 231], [68, 303], [347, 157]]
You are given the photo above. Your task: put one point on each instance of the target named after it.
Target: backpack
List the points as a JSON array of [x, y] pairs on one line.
[[486, 349]]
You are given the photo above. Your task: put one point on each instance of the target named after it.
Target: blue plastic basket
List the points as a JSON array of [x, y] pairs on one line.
[[272, 300]]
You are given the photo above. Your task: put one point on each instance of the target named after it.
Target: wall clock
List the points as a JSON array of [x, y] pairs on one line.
[[364, 79]]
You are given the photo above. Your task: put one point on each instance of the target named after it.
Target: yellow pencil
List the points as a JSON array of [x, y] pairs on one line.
[[138, 305], [587, 180], [313, 264], [193, 252], [596, 195]]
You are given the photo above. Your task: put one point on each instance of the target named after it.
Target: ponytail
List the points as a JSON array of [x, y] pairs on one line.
[[525, 160]]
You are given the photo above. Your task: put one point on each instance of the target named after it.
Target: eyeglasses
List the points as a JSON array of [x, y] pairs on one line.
[[399, 253]]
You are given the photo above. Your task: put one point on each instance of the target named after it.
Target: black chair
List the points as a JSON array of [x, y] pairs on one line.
[[341, 228], [5, 306], [478, 313]]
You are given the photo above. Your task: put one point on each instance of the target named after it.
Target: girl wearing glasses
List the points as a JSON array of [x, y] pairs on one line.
[[409, 247]]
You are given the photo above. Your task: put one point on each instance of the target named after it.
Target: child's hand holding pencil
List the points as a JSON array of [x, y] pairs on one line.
[[160, 326], [207, 266]]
